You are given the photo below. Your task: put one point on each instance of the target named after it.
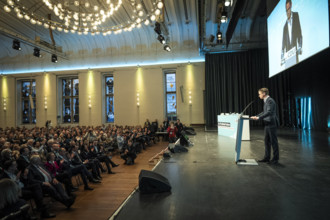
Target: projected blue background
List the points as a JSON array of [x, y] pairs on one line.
[[314, 21]]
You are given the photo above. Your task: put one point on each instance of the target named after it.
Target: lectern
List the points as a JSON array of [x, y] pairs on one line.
[[231, 125], [239, 142]]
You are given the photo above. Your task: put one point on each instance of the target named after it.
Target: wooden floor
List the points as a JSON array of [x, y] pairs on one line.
[[106, 197]]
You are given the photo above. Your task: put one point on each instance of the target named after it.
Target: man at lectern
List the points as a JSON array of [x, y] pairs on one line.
[[292, 38], [271, 122]]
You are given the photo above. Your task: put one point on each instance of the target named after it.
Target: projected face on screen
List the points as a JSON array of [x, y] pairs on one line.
[[292, 39], [297, 29]]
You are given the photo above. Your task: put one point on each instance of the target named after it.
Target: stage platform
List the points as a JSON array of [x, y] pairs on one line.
[[207, 184]]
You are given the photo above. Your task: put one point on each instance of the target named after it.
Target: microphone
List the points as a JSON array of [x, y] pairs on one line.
[[247, 107]]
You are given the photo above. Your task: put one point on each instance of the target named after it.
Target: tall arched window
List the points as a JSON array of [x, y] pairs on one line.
[[28, 101], [170, 96], [109, 99], [70, 100]]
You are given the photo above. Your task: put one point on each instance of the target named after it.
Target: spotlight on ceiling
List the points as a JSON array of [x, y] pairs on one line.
[[224, 17], [161, 39], [36, 52], [16, 45], [227, 3], [167, 48], [54, 58], [157, 28], [219, 37]]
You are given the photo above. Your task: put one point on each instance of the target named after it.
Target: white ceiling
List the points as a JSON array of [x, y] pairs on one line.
[[138, 47]]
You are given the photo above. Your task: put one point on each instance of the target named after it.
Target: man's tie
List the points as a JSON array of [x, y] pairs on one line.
[[49, 178]]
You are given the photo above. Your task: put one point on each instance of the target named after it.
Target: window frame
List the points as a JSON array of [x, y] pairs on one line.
[[171, 116], [108, 95], [72, 97], [24, 98]]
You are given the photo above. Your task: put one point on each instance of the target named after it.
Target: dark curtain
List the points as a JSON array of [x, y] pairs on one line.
[[311, 78], [232, 81]]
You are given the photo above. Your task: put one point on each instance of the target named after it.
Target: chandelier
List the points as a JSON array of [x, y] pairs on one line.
[[87, 16]]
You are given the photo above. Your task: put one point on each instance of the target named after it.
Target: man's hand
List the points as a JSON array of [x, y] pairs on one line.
[[46, 184], [254, 117]]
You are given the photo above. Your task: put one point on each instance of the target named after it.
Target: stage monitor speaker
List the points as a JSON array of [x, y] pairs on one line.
[[151, 182]]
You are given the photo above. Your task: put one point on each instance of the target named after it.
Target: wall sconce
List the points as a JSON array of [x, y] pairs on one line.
[[4, 104], [89, 101], [138, 99], [190, 102], [45, 102]]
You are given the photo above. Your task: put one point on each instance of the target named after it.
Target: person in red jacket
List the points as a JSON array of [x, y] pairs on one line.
[[56, 170], [172, 130]]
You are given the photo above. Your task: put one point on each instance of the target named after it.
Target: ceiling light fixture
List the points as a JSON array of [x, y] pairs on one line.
[[157, 28], [16, 45], [54, 58], [228, 2], [74, 16], [219, 37], [167, 48], [161, 39], [224, 17], [36, 52]]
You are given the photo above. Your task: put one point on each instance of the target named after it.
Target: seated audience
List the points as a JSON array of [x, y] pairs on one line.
[[40, 160], [76, 169], [98, 152], [61, 175], [179, 127], [27, 191], [50, 185], [128, 153], [93, 164]]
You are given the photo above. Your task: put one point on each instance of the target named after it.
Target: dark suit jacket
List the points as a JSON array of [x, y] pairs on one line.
[[22, 163], [5, 176], [35, 176], [296, 37], [269, 115]]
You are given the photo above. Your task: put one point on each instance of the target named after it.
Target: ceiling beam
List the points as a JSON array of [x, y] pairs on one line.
[[237, 12], [25, 40]]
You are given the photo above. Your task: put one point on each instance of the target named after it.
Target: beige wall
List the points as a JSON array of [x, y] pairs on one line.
[[192, 78], [7, 89], [46, 97], [90, 88], [147, 81]]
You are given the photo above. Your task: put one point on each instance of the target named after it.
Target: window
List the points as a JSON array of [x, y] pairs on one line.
[[28, 96], [70, 101], [170, 99], [109, 99]]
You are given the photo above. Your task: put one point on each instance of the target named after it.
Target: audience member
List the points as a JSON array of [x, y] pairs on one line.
[[40, 160], [172, 131], [10, 201], [27, 191], [50, 185]]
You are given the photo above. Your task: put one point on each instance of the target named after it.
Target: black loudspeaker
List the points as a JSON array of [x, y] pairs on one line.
[[151, 182]]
